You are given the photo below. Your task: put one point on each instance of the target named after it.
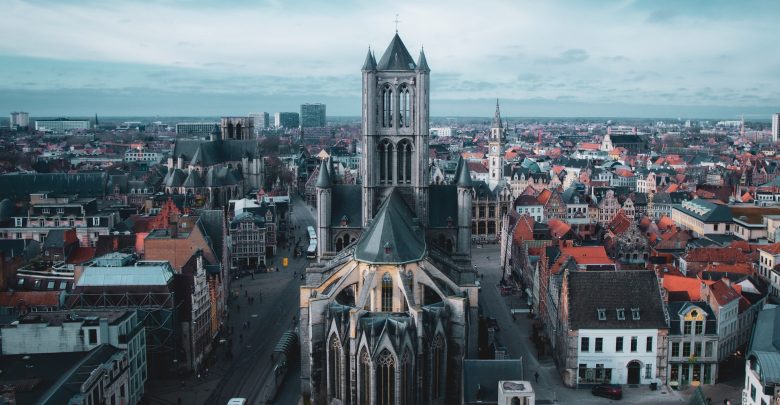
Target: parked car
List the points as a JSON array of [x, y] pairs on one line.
[[608, 391]]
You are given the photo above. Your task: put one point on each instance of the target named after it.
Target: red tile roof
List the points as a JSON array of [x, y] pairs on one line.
[[716, 255], [588, 254], [544, 196], [524, 229], [723, 293], [773, 248], [30, 299], [620, 223], [558, 228], [477, 167], [689, 285]]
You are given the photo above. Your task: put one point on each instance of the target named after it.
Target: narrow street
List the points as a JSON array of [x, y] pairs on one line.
[[275, 304], [515, 336]]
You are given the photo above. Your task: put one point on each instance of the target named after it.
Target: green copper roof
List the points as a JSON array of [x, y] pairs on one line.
[[391, 237], [396, 57], [323, 180]]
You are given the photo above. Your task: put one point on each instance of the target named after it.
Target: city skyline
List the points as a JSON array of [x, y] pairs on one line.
[[564, 59]]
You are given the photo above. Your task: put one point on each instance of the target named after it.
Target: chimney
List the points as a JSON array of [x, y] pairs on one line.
[[173, 229]]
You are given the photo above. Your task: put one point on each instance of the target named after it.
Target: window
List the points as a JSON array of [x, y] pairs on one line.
[[585, 344], [686, 349], [648, 371], [96, 221], [633, 343], [675, 349], [698, 327], [18, 236], [697, 349], [635, 314], [686, 328], [45, 210], [621, 314], [708, 349], [602, 314], [50, 285], [60, 211], [753, 392], [92, 337], [619, 344], [599, 345], [122, 390], [18, 222], [387, 293], [649, 346]]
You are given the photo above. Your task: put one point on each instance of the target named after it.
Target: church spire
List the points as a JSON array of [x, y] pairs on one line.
[[370, 63], [422, 63], [497, 117]]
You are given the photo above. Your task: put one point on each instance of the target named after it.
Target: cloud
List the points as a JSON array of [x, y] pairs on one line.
[[661, 16], [567, 56]]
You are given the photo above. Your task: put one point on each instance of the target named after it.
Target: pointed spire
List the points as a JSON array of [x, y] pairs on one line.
[[370, 63], [323, 179], [497, 117], [396, 57], [422, 63], [464, 175], [216, 134]]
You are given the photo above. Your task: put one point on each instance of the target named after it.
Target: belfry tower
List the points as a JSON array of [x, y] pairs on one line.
[[496, 150], [395, 130]]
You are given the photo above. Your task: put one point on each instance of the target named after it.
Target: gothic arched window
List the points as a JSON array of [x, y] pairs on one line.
[[364, 381], [405, 103], [335, 366], [385, 152], [387, 106], [387, 293], [385, 378], [438, 366], [404, 162]]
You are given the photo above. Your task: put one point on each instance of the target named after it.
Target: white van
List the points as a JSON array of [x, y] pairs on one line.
[[237, 401]]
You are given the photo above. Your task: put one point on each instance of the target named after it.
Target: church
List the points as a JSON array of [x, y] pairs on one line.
[[389, 312]]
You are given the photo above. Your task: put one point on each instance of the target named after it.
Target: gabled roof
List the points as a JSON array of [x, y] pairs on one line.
[[396, 57], [392, 237], [590, 291], [723, 293]]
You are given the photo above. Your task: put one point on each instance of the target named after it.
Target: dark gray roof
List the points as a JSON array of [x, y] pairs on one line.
[[69, 385], [765, 345], [710, 212], [209, 153], [396, 57], [615, 289], [392, 237], [323, 178], [193, 180], [483, 376], [212, 222], [442, 204], [676, 308], [48, 369], [422, 63], [370, 63], [174, 178], [463, 175], [21, 185], [347, 200], [7, 209]]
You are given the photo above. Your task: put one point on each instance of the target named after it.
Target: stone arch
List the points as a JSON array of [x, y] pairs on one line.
[[403, 161], [385, 151]]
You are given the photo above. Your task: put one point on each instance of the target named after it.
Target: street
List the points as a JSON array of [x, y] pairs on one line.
[[515, 335], [271, 314]]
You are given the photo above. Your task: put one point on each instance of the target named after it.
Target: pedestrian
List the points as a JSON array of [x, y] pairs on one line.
[[536, 376]]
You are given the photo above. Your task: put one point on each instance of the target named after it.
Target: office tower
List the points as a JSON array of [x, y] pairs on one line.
[[20, 120], [775, 126], [286, 119], [195, 128], [312, 115], [261, 121], [61, 125]]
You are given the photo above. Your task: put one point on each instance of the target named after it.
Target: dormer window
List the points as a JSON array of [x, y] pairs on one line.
[[621, 314], [388, 248], [602, 314], [344, 220], [635, 314]]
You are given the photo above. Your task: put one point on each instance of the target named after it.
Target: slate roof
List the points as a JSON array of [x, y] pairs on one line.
[[714, 212], [21, 185], [442, 204], [610, 290], [323, 178], [681, 307], [765, 345], [211, 222], [391, 237], [209, 153], [346, 200], [396, 57], [486, 374], [463, 175]]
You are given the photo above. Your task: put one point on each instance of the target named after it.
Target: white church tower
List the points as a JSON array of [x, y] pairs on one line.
[[496, 150], [395, 130]]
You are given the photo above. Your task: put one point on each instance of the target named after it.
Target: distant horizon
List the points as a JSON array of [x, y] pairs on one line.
[[646, 59]]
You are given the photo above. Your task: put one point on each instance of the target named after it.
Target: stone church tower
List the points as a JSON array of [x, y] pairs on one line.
[[395, 129], [390, 310], [496, 150]]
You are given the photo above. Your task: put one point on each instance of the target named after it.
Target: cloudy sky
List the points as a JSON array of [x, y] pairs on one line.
[[695, 58]]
